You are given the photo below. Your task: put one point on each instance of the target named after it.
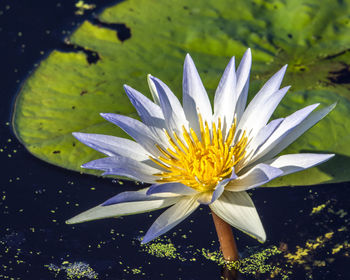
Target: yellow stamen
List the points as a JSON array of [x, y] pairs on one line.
[[200, 164]]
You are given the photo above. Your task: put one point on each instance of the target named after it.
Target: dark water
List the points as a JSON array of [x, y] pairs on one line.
[[36, 199]]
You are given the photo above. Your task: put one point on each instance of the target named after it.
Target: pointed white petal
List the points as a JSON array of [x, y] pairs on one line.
[[171, 217], [195, 97], [153, 90], [131, 196], [122, 209], [243, 70], [136, 129], [176, 188], [237, 209], [242, 86], [171, 107], [255, 177], [124, 166], [226, 96], [273, 84], [298, 162], [262, 136], [112, 146], [150, 113], [291, 129], [259, 111]]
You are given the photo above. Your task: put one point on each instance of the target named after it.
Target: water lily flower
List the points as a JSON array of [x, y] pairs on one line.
[[193, 155]]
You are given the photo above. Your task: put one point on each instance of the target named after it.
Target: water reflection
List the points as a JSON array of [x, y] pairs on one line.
[[229, 274]]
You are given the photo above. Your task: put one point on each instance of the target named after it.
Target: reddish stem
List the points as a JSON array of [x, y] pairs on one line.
[[227, 241]]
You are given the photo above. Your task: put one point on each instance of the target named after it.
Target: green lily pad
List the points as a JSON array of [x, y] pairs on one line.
[[66, 93]]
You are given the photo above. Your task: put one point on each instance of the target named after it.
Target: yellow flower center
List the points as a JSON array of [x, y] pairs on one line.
[[200, 164]]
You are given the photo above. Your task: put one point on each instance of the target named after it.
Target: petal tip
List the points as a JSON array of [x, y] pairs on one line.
[[332, 106], [315, 105], [77, 134], [152, 78], [188, 60], [262, 239], [282, 71], [145, 240], [70, 222], [248, 54]]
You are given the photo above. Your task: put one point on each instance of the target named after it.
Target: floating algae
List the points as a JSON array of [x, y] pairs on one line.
[[162, 248], [319, 208], [252, 265], [303, 254], [76, 270], [82, 7]]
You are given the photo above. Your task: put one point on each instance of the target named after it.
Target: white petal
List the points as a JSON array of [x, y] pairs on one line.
[[124, 166], [153, 90], [255, 177], [273, 84], [292, 128], [176, 188], [209, 197], [112, 146], [287, 131], [171, 107], [130, 196], [122, 209], [219, 189], [237, 209], [171, 217], [259, 111], [226, 96], [242, 86], [195, 97], [298, 162], [262, 136], [205, 197], [137, 130], [150, 113]]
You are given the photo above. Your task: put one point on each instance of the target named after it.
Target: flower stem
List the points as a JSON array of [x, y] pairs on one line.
[[227, 242]]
